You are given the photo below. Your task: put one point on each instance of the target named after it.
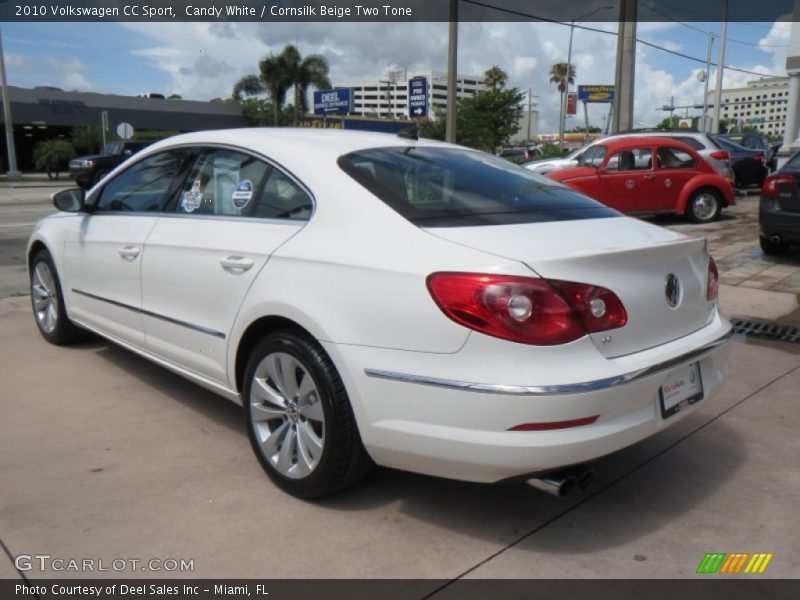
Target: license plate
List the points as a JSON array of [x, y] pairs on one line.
[[681, 389]]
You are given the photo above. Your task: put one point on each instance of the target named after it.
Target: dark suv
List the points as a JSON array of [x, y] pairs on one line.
[[88, 170]]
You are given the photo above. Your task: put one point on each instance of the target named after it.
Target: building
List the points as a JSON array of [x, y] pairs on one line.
[[388, 96], [528, 128], [46, 112], [761, 104]]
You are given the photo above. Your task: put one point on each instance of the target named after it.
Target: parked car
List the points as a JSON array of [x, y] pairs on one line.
[[749, 166], [755, 141], [88, 170], [701, 142], [650, 175], [372, 298], [525, 153], [779, 210], [543, 167]]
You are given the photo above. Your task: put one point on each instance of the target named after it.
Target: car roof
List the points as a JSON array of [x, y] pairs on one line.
[[638, 140], [277, 142]]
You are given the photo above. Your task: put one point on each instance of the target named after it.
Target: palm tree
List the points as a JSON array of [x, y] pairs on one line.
[[495, 77], [278, 73], [52, 156], [561, 75]]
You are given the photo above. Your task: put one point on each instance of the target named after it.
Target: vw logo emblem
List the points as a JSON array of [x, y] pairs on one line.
[[672, 290]]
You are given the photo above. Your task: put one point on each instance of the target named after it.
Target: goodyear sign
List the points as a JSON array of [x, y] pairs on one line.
[[596, 93]]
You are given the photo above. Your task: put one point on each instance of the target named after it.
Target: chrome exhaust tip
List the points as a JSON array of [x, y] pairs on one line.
[[564, 482]]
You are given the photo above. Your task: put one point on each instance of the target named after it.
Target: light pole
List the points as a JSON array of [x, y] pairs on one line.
[[720, 68], [12, 172], [563, 117]]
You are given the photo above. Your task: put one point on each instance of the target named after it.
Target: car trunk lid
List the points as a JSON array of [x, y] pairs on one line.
[[629, 257]]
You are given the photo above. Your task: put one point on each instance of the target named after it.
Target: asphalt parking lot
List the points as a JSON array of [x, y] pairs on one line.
[[105, 456]]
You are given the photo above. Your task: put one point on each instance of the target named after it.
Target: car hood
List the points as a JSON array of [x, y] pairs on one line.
[[89, 157]]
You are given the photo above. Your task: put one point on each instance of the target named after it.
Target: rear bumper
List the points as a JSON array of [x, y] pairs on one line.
[[427, 416], [780, 223]]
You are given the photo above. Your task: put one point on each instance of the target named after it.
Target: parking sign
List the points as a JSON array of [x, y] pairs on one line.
[[418, 97]]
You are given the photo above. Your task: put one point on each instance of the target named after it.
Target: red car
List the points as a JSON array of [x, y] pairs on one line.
[[622, 174]]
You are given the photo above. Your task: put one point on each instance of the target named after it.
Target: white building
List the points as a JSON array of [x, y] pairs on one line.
[[388, 96], [761, 104]]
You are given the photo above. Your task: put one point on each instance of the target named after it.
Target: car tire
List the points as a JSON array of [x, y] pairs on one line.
[[299, 418], [704, 206], [770, 247], [47, 302]]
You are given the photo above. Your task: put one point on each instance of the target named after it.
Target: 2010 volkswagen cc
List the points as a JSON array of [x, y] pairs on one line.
[[370, 298]]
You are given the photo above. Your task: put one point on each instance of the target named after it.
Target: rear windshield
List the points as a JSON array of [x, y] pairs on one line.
[[446, 187]]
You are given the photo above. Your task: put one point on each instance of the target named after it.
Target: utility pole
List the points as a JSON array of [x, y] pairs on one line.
[[562, 124], [626, 66], [530, 113], [720, 67], [13, 174], [452, 75], [705, 126]]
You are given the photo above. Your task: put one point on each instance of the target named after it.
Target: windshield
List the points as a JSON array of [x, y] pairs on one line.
[[112, 148], [443, 187]]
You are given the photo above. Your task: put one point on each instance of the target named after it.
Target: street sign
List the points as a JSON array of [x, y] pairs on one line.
[[337, 101], [125, 131], [596, 93], [418, 97], [572, 103]]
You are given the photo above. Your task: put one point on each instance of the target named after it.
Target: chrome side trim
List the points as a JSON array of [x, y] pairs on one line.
[[200, 328], [553, 390]]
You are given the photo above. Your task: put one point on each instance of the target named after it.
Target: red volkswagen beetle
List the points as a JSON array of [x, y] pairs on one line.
[[650, 175]]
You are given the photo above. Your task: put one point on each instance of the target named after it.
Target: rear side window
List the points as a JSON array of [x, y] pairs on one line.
[[445, 187], [222, 182], [673, 158], [691, 142]]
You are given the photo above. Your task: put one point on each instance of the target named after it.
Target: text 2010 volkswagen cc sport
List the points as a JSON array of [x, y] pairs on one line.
[[371, 298]]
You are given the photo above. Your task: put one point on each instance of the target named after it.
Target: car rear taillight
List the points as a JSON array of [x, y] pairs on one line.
[[720, 155], [712, 287], [526, 310], [758, 157], [772, 185]]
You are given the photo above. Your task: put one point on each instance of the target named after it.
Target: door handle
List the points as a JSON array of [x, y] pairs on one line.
[[236, 264], [649, 177], [129, 253]]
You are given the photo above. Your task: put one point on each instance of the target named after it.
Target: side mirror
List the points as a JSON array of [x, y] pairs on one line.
[[70, 200]]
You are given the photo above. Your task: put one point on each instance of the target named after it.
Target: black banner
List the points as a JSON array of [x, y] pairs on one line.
[[702, 588], [387, 10]]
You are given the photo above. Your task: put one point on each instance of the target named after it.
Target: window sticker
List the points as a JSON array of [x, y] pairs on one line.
[[191, 200], [242, 194]]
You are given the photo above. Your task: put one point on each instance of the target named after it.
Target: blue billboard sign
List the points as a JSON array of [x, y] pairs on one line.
[[336, 101], [418, 97], [596, 93]]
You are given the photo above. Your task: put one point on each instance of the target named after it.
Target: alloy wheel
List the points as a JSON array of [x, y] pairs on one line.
[[286, 415], [45, 297]]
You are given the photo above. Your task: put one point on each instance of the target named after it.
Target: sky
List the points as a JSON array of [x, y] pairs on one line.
[[201, 61]]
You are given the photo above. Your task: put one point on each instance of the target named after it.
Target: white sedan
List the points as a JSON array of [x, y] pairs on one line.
[[376, 299]]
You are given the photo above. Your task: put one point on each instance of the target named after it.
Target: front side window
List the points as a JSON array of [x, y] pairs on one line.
[[673, 158], [445, 187], [635, 159], [593, 157], [145, 186]]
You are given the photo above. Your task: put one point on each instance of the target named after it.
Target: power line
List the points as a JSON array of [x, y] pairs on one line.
[[614, 33]]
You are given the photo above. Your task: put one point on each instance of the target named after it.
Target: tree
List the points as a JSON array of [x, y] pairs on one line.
[[495, 77], [174, 97], [52, 156], [278, 73], [87, 139], [484, 121], [561, 74], [592, 129]]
